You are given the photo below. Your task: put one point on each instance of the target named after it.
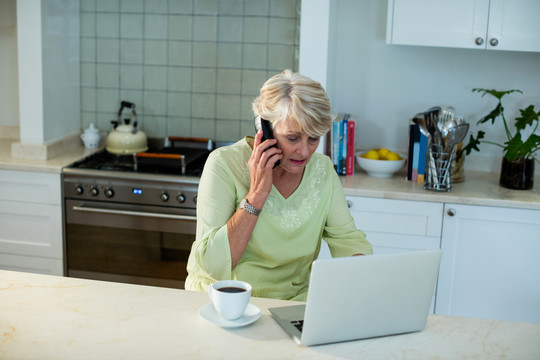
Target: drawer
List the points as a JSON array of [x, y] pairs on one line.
[[31, 229], [32, 187], [31, 264], [402, 217]]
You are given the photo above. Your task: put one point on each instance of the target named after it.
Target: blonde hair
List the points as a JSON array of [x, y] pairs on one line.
[[294, 97]]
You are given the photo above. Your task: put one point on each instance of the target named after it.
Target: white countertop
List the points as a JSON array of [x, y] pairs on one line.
[[53, 165], [50, 317]]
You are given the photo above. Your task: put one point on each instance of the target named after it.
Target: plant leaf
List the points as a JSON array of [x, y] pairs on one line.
[[473, 143], [513, 147], [498, 111], [495, 93], [517, 148], [528, 116]]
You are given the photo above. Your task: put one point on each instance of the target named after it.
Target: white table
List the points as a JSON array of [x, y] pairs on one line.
[[50, 317]]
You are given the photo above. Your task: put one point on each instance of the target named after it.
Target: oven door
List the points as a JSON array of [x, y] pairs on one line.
[[146, 245]]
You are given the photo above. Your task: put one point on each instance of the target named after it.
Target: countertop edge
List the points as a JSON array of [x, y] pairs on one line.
[[479, 188]]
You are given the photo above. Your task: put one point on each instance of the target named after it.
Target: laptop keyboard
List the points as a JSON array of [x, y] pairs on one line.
[[299, 324]]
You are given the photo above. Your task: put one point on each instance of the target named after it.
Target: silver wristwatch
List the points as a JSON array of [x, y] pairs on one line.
[[249, 208]]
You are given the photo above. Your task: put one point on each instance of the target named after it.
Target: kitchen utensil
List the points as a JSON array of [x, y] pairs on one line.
[[125, 138], [431, 117], [456, 135], [446, 121], [420, 119]]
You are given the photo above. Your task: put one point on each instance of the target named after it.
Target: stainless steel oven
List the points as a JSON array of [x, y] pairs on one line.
[[128, 225]]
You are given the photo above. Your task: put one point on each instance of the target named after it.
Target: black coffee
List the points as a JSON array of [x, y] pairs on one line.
[[231, 289]]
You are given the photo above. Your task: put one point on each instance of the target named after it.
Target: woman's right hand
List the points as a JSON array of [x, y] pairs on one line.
[[261, 164]]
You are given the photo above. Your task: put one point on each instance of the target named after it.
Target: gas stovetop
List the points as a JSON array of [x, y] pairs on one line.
[[105, 161]]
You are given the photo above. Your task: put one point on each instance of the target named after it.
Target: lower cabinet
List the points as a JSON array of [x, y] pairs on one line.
[[490, 267], [33, 264], [397, 225], [31, 222]]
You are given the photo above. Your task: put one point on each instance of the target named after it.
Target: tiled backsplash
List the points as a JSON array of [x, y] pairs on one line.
[[192, 67]]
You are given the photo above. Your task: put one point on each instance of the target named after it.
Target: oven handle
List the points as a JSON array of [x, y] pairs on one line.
[[134, 213]]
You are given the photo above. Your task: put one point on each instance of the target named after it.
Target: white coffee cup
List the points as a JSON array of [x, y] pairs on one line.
[[230, 298]]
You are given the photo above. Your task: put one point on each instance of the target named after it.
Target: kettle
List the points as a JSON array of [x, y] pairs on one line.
[[91, 137], [125, 138]]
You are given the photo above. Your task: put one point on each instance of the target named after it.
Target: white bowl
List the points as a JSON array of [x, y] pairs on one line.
[[380, 168]]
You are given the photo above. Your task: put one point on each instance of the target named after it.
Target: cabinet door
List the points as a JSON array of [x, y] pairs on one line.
[[514, 25], [397, 225], [31, 264], [30, 221], [457, 23], [490, 266], [31, 229], [30, 187]]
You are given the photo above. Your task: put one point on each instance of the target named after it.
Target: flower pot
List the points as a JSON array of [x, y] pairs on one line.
[[518, 174]]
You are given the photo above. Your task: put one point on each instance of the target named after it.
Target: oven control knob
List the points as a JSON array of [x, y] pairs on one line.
[[109, 193], [181, 198], [94, 191], [79, 190], [164, 196]]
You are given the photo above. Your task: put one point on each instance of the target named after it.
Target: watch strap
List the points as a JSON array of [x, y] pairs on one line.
[[249, 208]]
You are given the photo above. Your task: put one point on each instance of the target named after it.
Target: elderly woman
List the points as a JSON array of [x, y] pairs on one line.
[[263, 224]]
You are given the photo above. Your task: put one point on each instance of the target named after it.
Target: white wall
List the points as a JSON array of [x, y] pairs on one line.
[[49, 76], [384, 85], [9, 100]]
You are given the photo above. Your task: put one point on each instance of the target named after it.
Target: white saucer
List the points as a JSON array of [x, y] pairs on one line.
[[209, 313]]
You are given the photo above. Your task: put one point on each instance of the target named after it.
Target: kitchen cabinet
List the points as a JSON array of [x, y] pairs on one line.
[[490, 266], [31, 222], [397, 225], [478, 24]]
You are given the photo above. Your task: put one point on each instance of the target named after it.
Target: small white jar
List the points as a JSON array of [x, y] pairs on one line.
[[91, 137]]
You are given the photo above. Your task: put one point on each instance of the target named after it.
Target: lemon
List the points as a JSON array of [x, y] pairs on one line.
[[372, 154], [383, 153], [393, 156]]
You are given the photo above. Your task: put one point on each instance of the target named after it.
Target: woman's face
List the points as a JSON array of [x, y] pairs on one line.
[[297, 147]]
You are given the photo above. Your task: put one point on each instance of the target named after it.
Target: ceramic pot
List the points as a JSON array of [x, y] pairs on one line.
[[518, 174], [91, 137]]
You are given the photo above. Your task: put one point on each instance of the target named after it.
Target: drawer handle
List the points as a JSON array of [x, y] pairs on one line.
[[349, 203], [451, 212]]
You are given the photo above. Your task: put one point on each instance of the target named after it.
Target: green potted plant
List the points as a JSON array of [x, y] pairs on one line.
[[517, 170]]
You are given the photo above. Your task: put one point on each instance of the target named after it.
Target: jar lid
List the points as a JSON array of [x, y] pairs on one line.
[[91, 128]]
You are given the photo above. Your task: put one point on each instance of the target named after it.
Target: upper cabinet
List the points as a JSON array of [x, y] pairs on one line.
[[476, 24]]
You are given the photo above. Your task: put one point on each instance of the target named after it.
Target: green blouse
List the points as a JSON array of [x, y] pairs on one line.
[[287, 237]]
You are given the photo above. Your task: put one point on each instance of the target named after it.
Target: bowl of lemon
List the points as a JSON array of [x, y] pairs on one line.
[[380, 163]]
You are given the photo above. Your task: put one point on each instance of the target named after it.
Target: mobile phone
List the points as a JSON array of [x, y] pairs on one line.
[[266, 127]]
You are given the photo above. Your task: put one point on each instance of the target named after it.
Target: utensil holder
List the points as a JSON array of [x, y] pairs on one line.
[[439, 168]]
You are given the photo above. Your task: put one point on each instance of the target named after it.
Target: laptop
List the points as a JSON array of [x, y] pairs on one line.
[[360, 297]]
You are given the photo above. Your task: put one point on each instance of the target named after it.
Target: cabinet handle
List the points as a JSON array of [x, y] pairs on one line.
[[349, 203], [493, 42], [451, 212], [479, 41]]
